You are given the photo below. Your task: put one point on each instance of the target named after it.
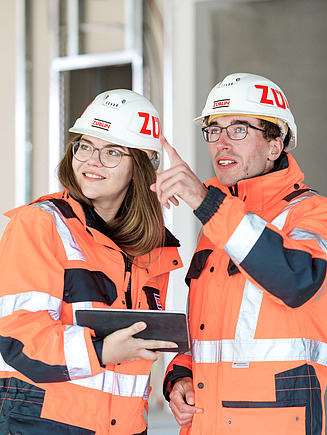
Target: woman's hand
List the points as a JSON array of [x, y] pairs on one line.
[[121, 346]]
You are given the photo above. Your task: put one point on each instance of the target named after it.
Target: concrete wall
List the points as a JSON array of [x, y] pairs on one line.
[[41, 58], [7, 108], [38, 66], [103, 30]]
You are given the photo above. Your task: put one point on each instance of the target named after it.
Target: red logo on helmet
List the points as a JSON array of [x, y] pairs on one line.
[[150, 128], [277, 99], [220, 103], [100, 123]]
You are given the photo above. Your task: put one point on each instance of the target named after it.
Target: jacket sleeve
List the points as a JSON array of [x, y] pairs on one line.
[[289, 263], [33, 340], [179, 367]]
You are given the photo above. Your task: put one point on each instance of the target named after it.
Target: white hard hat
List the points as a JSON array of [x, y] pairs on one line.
[[123, 117], [250, 95]]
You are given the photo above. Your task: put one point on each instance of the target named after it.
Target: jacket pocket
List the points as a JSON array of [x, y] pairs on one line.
[[258, 421], [297, 391], [28, 425], [153, 298]]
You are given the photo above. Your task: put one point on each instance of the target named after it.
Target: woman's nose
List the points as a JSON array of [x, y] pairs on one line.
[[95, 157]]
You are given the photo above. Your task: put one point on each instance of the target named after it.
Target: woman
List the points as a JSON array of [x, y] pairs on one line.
[[100, 243]]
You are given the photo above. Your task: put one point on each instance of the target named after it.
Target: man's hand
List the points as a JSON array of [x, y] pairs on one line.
[[178, 181], [121, 346], [182, 402]]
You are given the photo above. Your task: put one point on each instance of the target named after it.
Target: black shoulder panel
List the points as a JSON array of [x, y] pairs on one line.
[[64, 207], [296, 193], [88, 285], [197, 264]]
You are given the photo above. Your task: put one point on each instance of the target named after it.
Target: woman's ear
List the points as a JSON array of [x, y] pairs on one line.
[[276, 147]]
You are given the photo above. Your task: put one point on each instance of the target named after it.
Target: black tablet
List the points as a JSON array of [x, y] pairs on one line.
[[161, 325]]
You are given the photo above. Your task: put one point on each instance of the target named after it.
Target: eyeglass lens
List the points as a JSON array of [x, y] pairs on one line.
[[109, 156], [234, 131]]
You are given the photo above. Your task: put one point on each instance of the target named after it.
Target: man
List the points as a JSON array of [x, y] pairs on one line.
[[257, 299]]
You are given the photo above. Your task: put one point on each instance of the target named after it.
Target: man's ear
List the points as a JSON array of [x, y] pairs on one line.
[[276, 147]]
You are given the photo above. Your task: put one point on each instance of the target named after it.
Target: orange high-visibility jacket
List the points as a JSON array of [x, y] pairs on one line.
[[54, 259], [258, 309]]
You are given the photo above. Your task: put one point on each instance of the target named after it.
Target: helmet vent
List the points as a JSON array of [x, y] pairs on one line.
[[113, 102]]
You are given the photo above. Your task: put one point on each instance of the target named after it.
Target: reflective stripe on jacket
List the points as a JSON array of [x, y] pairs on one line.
[[258, 308], [54, 260]]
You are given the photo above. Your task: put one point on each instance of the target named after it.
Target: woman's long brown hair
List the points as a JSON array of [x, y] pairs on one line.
[[139, 226]]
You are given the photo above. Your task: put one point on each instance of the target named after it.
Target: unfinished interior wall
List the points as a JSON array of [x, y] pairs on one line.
[[7, 109], [282, 40]]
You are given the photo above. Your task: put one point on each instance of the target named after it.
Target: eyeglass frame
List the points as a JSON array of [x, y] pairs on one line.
[[246, 124], [122, 153]]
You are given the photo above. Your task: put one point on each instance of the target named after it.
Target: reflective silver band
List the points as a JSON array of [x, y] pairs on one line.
[[73, 251], [76, 354], [298, 234], [249, 312], [118, 384], [30, 301], [244, 237], [280, 220], [259, 350], [79, 305]]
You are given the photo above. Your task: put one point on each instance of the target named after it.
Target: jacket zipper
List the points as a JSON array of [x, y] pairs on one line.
[[128, 275]]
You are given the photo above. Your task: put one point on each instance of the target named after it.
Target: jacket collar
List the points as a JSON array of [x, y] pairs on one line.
[[92, 224], [91, 220], [263, 192]]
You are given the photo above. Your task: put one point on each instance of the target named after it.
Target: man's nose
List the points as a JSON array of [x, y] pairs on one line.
[[224, 139]]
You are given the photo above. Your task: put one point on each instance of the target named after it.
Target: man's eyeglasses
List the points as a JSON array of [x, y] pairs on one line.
[[109, 156], [235, 131]]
